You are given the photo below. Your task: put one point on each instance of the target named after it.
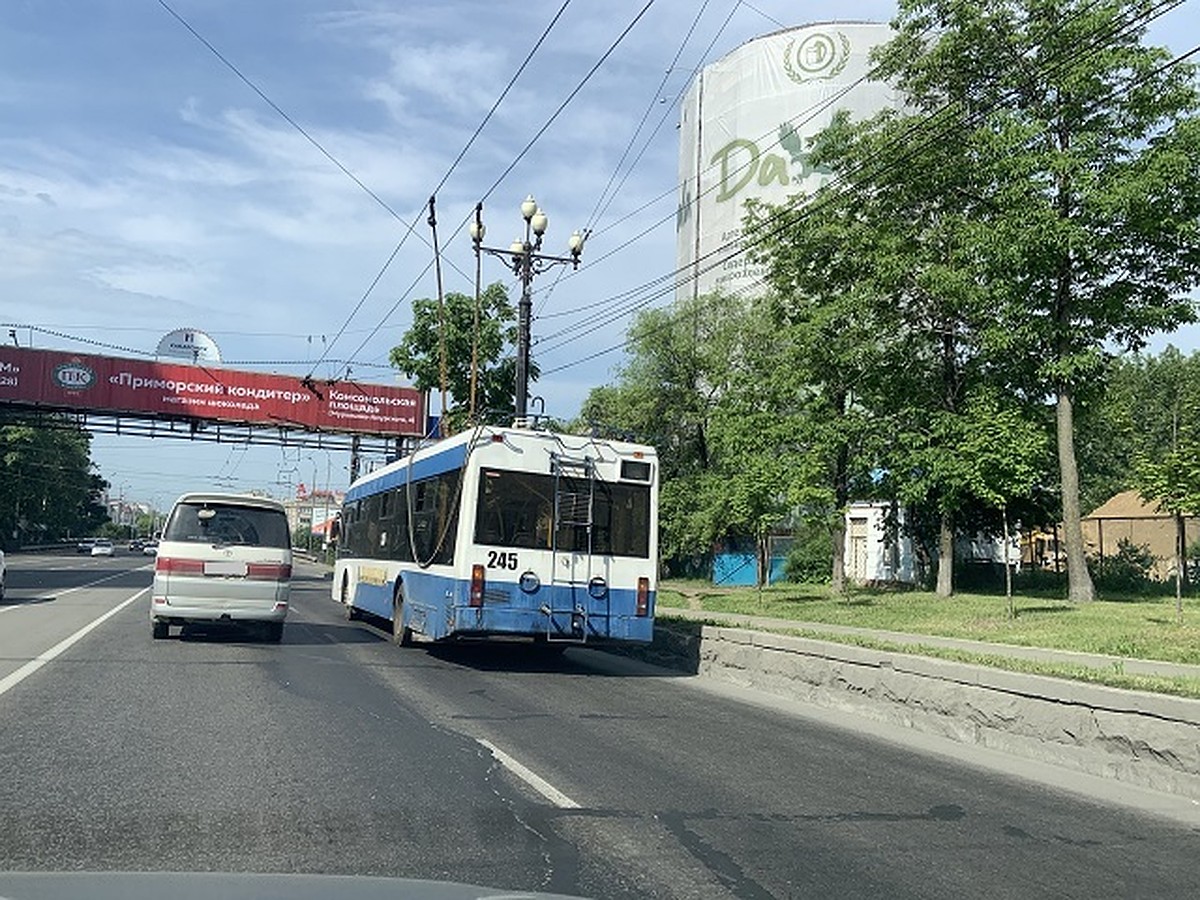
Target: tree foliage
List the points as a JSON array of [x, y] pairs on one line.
[[48, 490], [1006, 218], [418, 355], [1085, 156], [692, 387], [942, 310]]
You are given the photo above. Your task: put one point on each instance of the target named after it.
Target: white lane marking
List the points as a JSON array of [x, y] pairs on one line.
[[15, 678], [531, 778], [101, 580], [19, 605]]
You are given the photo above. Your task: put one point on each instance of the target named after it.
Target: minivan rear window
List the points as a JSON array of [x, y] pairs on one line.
[[228, 523]]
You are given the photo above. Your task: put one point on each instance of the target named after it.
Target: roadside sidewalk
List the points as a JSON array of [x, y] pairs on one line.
[[1069, 657]]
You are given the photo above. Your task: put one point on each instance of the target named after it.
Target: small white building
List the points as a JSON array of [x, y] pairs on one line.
[[871, 555]]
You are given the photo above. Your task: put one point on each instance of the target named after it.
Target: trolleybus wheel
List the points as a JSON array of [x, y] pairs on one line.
[[400, 634], [351, 611]]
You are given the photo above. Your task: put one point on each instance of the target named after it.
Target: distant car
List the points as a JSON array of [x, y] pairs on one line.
[[85, 545], [102, 548], [223, 558], [136, 545], [150, 548]]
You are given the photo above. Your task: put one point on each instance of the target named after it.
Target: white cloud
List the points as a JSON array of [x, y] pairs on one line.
[[154, 190]]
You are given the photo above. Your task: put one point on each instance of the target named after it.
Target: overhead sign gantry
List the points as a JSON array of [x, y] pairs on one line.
[[259, 407]]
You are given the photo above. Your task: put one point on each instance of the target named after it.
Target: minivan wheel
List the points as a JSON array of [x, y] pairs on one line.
[[273, 632], [159, 629]]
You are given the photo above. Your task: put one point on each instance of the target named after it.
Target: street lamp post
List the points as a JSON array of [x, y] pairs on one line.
[[526, 261]]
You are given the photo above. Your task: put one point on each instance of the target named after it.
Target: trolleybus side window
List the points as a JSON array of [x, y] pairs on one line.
[[435, 517], [346, 545], [398, 528]]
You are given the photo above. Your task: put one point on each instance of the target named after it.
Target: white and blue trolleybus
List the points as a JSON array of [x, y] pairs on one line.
[[506, 531]]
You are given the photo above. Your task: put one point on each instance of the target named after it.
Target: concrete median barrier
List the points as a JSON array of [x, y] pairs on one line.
[[1146, 739]]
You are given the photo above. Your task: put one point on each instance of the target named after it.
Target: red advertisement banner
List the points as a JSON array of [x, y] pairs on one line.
[[111, 384]]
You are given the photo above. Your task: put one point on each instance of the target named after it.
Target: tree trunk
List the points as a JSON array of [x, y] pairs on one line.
[[841, 497], [838, 538], [1079, 582], [1008, 594], [945, 573]]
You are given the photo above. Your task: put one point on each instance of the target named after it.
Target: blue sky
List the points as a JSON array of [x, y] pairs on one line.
[[145, 187]]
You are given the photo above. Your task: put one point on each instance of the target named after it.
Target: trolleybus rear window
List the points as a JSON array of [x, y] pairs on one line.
[[516, 509]]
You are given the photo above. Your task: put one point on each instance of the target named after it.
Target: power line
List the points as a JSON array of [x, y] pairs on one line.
[[571, 96], [446, 177], [599, 211], [262, 95], [799, 120], [410, 227], [798, 213], [521, 155], [588, 325], [811, 113]]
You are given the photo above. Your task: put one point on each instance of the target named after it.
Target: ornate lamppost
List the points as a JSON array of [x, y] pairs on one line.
[[526, 260]]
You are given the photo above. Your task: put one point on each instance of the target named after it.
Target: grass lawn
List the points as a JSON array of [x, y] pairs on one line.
[[1140, 628]]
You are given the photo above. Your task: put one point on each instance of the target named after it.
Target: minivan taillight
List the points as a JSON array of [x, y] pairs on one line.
[[269, 571], [643, 597], [178, 566], [477, 585]]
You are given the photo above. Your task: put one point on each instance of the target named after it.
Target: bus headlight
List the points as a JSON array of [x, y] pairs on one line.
[[597, 588], [529, 582]]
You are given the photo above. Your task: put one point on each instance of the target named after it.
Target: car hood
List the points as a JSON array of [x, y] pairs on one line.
[[237, 886]]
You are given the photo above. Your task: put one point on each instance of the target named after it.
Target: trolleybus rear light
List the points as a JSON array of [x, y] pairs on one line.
[[643, 597], [477, 585]]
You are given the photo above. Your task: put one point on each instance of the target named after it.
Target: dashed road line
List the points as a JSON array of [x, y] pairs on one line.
[[13, 679], [531, 778]]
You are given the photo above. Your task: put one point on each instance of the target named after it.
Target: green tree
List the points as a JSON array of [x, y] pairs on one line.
[[826, 372], [1161, 417], [1087, 155], [693, 388], [47, 488], [896, 256], [664, 396], [755, 433], [1173, 479], [418, 355]]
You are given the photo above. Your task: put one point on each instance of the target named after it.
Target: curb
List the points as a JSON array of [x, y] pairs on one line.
[[1149, 740]]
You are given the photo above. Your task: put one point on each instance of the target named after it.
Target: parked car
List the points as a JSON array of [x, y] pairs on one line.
[[102, 548], [223, 558]]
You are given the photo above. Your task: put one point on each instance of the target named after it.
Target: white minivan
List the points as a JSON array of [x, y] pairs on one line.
[[223, 558]]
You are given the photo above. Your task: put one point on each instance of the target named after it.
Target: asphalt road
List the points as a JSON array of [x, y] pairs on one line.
[[339, 752]]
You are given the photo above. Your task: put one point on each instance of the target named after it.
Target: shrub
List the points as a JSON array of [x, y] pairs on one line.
[[1127, 571], [811, 558]]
